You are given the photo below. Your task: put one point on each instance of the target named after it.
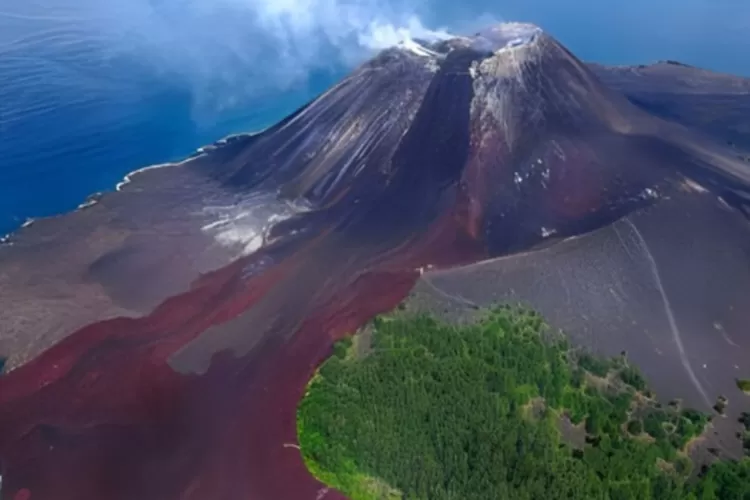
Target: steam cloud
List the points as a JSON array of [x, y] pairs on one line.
[[223, 50]]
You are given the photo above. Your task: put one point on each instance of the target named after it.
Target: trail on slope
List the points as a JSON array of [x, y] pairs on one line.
[[447, 295], [676, 336]]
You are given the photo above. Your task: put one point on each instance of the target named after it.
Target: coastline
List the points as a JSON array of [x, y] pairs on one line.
[[94, 197], [198, 153]]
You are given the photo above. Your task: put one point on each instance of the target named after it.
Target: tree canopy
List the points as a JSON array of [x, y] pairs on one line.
[[490, 410]]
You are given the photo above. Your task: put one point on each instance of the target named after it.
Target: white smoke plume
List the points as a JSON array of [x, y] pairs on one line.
[[223, 50]]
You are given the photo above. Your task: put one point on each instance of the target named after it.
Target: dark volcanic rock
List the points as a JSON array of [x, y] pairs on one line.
[[162, 337], [716, 104]]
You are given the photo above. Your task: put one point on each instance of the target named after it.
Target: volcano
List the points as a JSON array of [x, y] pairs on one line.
[[159, 338]]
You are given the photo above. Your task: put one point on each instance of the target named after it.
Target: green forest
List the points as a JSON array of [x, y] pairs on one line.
[[414, 408]]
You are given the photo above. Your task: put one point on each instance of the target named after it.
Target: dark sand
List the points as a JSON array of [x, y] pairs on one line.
[[666, 284]]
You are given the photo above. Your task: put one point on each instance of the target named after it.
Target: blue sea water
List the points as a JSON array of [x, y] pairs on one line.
[[76, 115]]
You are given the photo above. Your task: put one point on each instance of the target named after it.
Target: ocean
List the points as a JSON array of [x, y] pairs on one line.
[[85, 100]]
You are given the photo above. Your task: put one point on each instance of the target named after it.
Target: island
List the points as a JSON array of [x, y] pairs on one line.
[[160, 340]]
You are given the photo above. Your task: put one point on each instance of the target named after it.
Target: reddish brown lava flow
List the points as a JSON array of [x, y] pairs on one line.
[[103, 416]]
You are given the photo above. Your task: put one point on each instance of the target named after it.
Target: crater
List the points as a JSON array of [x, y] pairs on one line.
[[507, 36]]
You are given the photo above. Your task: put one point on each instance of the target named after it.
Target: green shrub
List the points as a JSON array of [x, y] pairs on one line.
[[440, 412]]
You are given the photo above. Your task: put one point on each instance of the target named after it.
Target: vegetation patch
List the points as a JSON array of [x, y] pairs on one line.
[[744, 385], [745, 434], [721, 405], [439, 411]]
